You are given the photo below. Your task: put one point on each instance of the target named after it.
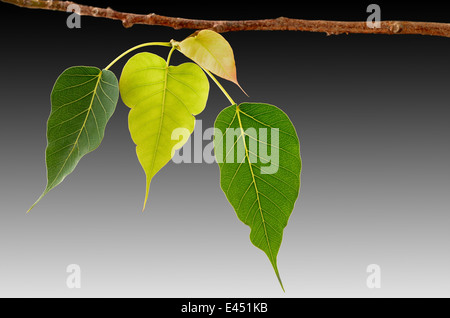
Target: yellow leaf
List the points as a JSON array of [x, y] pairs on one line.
[[212, 52]]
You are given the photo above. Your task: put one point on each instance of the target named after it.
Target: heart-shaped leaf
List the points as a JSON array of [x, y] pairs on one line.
[[258, 152], [162, 98], [211, 51], [83, 100]]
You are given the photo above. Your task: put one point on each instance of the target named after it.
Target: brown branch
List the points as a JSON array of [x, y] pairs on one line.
[[279, 24]]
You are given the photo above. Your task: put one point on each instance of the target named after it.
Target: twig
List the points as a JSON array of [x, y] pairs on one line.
[[279, 24]]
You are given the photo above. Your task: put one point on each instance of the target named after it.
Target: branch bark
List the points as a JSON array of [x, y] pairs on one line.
[[279, 24]]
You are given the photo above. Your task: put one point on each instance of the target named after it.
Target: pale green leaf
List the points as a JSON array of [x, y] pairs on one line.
[[258, 152], [83, 100], [162, 98]]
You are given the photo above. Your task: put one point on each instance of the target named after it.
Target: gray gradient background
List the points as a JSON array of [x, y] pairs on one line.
[[372, 116]]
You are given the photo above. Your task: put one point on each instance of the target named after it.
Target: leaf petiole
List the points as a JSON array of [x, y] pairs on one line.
[[171, 45], [167, 44], [170, 54], [220, 86]]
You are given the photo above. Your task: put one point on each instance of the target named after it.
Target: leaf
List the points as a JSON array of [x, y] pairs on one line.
[[83, 100], [258, 152], [211, 51], [162, 98]]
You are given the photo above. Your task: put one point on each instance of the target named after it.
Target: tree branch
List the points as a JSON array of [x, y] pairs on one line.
[[279, 24]]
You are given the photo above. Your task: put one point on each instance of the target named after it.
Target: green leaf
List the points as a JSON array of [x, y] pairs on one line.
[[211, 51], [83, 100], [162, 98], [258, 153]]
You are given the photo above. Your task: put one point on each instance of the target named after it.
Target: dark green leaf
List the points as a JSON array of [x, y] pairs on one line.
[[83, 100], [258, 152]]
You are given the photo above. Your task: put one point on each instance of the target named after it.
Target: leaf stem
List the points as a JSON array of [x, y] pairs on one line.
[[220, 86], [167, 44], [170, 54]]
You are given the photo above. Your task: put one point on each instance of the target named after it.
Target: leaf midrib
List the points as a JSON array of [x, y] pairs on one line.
[[215, 58], [163, 103], [94, 93], [254, 183], [271, 257]]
